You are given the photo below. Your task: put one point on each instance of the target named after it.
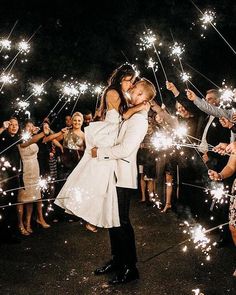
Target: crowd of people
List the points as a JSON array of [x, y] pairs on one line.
[[166, 177]]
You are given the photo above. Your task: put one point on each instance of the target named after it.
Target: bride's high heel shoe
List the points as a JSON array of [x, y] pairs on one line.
[[43, 224], [91, 227], [166, 208], [23, 231]]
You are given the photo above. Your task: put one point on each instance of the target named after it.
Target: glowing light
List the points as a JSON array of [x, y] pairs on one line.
[[161, 140], [25, 136], [227, 96], [181, 131], [38, 89], [23, 104], [83, 87], [185, 76], [98, 89], [219, 194], [208, 18], [147, 40], [42, 183], [70, 89], [177, 50], [152, 64], [7, 78], [24, 47], [6, 44]]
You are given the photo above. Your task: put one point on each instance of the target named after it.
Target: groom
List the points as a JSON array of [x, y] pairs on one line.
[[130, 136]]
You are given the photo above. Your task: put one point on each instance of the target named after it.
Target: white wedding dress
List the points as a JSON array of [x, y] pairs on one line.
[[90, 190]]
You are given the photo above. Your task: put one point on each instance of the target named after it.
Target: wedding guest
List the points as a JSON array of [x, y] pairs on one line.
[[10, 179], [73, 142], [31, 190]]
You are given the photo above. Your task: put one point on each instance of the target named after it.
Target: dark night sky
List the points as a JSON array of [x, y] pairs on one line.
[[86, 39]]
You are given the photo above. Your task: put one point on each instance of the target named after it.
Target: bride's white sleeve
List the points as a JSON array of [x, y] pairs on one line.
[[136, 130]]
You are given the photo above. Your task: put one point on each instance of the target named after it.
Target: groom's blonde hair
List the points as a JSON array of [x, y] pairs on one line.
[[149, 88]]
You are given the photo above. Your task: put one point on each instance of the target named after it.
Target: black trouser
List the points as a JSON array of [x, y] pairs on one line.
[[122, 238]]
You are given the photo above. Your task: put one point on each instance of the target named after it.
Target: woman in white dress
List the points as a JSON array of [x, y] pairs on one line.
[[31, 191], [90, 190]]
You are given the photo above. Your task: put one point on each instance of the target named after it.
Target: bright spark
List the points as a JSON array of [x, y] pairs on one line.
[[147, 40], [24, 47], [208, 18], [6, 44], [7, 79], [185, 76]]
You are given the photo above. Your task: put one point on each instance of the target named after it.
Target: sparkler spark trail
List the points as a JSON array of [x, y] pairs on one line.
[[185, 77], [227, 96], [5, 44], [8, 79], [148, 41], [208, 17]]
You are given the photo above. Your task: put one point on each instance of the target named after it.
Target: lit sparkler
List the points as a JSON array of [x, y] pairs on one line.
[[147, 40], [23, 47], [38, 89], [185, 76], [7, 79], [207, 18], [177, 50], [227, 96], [25, 136], [219, 195], [5, 44], [22, 104], [152, 64]]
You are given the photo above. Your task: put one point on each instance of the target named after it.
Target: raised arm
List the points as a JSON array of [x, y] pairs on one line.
[[58, 136], [167, 118], [34, 139], [207, 108]]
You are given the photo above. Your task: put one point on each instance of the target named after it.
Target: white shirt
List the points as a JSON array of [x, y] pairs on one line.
[[203, 147]]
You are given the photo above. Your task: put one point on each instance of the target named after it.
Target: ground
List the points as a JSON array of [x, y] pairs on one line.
[[60, 260]]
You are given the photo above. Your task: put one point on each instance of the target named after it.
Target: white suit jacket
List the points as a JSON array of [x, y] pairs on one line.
[[130, 136]]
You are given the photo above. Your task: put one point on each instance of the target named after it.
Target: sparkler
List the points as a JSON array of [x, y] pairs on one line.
[[208, 17], [5, 44], [185, 76], [148, 41], [153, 65], [197, 292], [176, 51], [24, 47], [8, 79], [227, 96]]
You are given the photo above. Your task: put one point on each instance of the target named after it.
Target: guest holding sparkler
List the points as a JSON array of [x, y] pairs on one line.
[[73, 143], [31, 190], [10, 178]]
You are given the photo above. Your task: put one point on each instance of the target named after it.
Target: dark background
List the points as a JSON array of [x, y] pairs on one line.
[[88, 39]]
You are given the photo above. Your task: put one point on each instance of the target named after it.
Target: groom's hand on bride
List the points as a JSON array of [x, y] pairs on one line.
[[94, 152]]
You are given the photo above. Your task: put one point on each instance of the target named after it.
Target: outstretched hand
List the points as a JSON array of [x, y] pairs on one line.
[[221, 148], [191, 95], [171, 87], [225, 123]]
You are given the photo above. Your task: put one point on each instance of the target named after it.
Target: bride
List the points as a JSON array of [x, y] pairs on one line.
[[90, 190]]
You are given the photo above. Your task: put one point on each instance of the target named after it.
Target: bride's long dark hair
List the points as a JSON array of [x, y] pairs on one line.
[[114, 83]]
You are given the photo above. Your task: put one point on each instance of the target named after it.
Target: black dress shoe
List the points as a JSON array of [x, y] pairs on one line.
[[125, 276], [107, 268]]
